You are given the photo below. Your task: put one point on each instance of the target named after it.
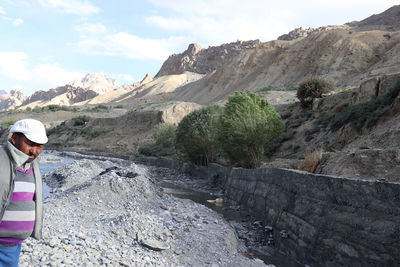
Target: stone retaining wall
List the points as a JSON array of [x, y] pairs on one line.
[[330, 221]]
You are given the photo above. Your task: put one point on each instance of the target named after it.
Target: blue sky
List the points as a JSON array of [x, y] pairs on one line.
[[48, 43]]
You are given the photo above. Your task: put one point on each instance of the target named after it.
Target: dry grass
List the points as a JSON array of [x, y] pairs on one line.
[[312, 160]]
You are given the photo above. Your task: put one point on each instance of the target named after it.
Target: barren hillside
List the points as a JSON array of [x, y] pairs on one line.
[[341, 56]]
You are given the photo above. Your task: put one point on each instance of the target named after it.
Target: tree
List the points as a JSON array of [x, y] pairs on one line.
[[164, 145], [311, 88], [164, 135], [247, 125], [196, 135]]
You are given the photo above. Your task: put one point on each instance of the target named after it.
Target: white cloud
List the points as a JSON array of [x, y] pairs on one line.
[[2, 12], [123, 78], [170, 23], [53, 75], [212, 22], [18, 22], [76, 7], [92, 29], [135, 47], [14, 65], [131, 46], [127, 77]]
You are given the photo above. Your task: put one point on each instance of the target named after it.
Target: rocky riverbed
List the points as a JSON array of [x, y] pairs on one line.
[[110, 212]]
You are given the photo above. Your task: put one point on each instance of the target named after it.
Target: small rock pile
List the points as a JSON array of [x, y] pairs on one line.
[[110, 213]]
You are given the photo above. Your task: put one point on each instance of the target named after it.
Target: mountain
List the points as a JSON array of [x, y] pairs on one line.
[[343, 54], [147, 91], [339, 55], [63, 95], [361, 59], [346, 55], [12, 100], [2, 92], [97, 82], [388, 20], [202, 61], [88, 87]]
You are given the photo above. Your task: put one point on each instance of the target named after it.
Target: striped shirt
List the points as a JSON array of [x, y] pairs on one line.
[[19, 217]]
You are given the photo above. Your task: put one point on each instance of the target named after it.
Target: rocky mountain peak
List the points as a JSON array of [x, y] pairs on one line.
[[300, 32], [193, 49], [97, 82], [296, 33], [198, 60], [146, 79], [12, 100], [17, 94]]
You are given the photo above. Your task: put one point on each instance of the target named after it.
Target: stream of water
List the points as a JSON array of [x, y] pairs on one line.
[[48, 166]]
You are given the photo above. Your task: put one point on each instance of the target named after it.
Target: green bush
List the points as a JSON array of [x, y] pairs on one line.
[[37, 109], [247, 125], [81, 120], [366, 114], [97, 131], [196, 135], [99, 108], [313, 87], [8, 122], [164, 135], [55, 108]]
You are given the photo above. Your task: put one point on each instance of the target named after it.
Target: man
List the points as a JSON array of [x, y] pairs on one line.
[[20, 188]]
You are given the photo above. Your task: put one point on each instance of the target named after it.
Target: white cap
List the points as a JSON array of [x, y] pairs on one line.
[[32, 129]]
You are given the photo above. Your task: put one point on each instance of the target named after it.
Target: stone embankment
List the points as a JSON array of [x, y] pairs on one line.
[[109, 212], [319, 220]]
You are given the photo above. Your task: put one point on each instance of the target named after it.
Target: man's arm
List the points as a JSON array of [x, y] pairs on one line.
[[5, 178]]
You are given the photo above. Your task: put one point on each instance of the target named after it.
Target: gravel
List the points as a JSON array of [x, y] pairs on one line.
[[106, 212]]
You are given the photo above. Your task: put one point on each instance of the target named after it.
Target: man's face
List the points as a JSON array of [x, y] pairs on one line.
[[26, 146]]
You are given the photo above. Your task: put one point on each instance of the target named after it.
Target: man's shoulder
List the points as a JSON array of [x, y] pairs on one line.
[[4, 162], [3, 149]]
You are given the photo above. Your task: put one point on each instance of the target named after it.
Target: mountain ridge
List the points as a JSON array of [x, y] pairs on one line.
[[90, 86], [344, 54]]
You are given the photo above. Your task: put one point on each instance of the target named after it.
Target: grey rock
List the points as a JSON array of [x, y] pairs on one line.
[[155, 245]]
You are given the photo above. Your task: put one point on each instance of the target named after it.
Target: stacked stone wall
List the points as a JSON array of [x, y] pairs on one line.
[[329, 221]]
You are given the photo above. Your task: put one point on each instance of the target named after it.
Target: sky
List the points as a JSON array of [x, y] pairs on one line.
[[48, 43]]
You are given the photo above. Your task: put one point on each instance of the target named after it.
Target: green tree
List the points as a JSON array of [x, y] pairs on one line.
[[164, 135], [311, 88], [247, 125], [196, 135], [164, 145]]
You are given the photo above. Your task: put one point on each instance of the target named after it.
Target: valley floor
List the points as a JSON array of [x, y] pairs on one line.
[[110, 212]]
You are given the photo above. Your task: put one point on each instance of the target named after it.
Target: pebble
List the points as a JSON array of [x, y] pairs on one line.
[[155, 245], [125, 220]]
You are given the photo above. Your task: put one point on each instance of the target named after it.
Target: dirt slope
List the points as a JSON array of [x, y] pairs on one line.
[[341, 56]]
